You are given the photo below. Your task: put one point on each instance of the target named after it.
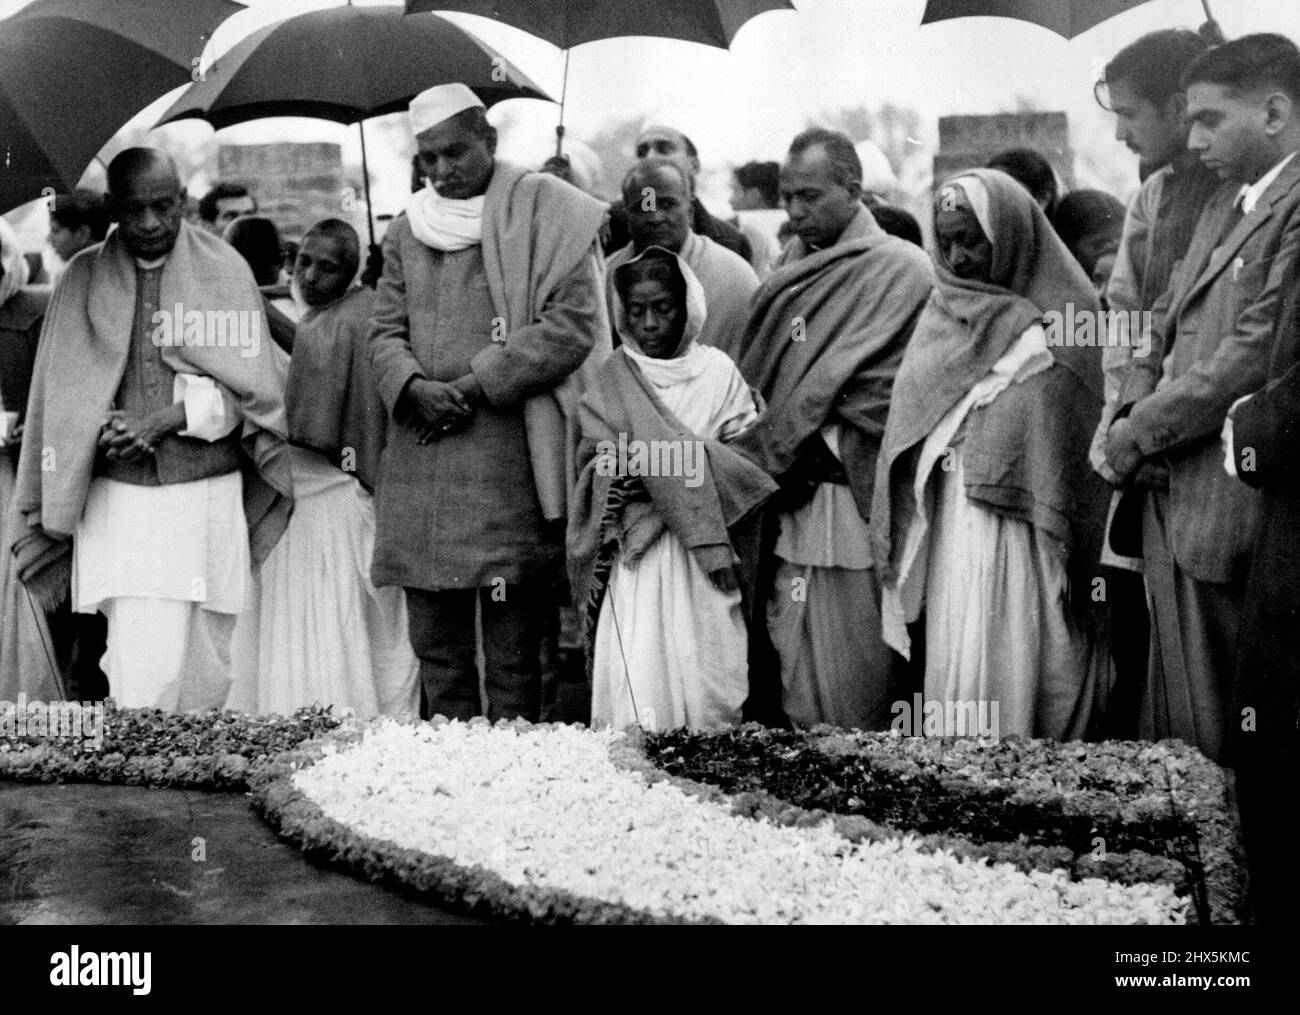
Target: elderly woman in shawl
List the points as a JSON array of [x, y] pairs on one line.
[[659, 495], [986, 512]]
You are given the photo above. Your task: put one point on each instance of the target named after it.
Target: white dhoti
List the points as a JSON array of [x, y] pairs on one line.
[[670, 649], [168, 566], [823, 615]]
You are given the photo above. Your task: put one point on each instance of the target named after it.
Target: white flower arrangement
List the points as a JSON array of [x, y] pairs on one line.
[[546, 809]]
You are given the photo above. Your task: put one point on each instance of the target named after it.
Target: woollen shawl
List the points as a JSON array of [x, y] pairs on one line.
[[82, 357], [1024, 453], [536, 231]]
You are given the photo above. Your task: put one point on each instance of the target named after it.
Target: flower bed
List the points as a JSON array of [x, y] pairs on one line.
[[1130, 812], [562, 824], [148, 747]]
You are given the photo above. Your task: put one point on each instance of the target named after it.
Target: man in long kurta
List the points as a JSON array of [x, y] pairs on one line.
[[826, 338], [155, 437], [488, 315], [319, 632], [657, 195]]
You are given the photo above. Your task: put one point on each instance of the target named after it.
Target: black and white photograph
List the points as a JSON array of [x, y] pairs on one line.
[[485, 463]]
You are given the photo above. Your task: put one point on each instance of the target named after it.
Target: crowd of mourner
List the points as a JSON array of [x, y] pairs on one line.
[[790, 468]]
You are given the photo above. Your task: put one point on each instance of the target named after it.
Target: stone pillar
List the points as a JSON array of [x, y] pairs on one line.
[[968, 142], [295, 183]]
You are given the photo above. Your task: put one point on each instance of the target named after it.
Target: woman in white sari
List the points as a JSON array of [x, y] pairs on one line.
[[986, 511], [654, 567]]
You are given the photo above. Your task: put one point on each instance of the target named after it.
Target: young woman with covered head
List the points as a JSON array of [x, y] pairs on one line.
[[987, 518], [653, 565]]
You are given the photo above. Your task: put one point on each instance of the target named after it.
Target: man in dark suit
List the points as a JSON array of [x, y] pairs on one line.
[[1212, 338], [1262, 438]]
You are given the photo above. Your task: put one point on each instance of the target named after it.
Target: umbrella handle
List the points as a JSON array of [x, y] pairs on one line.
[[365, 180], [564, 91]]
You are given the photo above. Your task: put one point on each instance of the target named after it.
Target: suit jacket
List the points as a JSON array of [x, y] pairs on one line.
[[1212, 335], [1266, 439]]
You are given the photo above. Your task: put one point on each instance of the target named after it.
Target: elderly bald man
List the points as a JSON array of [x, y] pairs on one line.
[[657, 195], [156, 433], [670, 143], [490, 308]]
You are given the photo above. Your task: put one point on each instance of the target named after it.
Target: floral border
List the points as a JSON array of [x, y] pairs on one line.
[[150, 749], [212, 751], [473, 890], [1200, 829]]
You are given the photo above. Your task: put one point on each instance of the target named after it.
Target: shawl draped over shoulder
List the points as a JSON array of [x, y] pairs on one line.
[[623, 402], [536, 231], [824, 341], [1026, 452], [333, 406], [83, 355]]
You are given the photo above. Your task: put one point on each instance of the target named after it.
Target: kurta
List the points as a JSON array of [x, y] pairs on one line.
[[162, 543], [463, 510]]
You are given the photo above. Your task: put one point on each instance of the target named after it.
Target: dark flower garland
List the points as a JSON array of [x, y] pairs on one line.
[[211, 750], [1160, 810]]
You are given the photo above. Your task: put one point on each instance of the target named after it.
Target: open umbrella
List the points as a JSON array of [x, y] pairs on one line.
[[1064, 17], [569, 23], [73, 71], [347, 64]]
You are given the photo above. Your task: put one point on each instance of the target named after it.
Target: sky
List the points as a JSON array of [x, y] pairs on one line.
[[785, 68]]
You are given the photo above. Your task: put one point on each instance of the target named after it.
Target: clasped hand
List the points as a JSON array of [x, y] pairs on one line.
[[126, 437], [441, 408]]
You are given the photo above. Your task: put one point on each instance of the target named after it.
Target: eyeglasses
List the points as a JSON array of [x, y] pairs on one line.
[[1101, 92]]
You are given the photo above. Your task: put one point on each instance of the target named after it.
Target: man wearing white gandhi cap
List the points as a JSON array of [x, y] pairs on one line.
[[489, 316]]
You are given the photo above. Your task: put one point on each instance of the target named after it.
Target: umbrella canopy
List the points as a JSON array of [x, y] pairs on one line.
[[346, 64], [1064, 17], [569, 23], [73, 71]]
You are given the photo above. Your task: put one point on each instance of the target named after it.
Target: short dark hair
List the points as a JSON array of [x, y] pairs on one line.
[[898, 222], [765, 177], [82, 208], [1264, 60], [337, 229], [1154, 65], [258, 243], [222, 192], [846, 166], [1083, 213], [1031, 169]]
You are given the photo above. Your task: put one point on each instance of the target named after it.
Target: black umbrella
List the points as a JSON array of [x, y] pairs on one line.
[[569, 23], [1064, 17], [347, 64], [73, 71]]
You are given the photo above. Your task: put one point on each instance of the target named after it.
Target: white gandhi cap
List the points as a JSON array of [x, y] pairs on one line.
[[432, 106]]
